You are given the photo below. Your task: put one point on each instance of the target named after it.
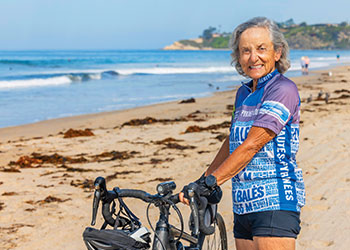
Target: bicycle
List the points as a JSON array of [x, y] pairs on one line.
[[207, 226]]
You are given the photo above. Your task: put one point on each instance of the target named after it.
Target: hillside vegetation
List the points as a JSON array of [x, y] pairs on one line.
[[299, 36]]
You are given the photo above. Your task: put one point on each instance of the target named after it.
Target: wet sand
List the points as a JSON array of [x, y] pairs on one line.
[[46, 179]]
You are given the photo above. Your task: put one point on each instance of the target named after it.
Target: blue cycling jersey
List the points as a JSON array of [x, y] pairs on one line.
[[272, 180]]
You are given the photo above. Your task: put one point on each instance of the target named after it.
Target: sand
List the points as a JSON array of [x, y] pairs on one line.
[[46, 204]]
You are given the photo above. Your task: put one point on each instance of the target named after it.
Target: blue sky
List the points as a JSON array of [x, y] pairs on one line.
[[142, 24]]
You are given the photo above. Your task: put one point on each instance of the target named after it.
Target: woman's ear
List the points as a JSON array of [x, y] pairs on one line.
[[278, 54]]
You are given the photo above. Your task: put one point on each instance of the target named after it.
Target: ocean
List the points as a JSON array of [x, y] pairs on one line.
[[41, 85]]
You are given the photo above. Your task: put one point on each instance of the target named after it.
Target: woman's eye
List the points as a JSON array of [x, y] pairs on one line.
[[262, 48]]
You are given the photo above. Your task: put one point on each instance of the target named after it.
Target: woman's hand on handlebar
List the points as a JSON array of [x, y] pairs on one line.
[[183, 199], [205, 186], [182, 194]]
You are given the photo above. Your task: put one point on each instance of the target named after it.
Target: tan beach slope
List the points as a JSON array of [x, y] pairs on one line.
[[46, 173]]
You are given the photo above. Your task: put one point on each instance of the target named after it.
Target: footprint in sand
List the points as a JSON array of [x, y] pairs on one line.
[[322, 243], [316, 208]]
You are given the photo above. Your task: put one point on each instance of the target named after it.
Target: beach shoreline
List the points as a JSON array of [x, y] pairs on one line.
[[55, 125], [51, 84], [47, 204], [105, 119]]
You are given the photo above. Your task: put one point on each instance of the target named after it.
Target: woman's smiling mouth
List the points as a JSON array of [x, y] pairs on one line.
[[256, 67]]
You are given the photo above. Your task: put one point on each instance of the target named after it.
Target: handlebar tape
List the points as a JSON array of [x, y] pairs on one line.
[[107, 215], [106, 212], [175, 198], [139, 194]]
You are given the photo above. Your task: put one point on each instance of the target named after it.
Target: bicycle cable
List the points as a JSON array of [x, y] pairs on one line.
[[178, 214], [180, 218], [149, 223]]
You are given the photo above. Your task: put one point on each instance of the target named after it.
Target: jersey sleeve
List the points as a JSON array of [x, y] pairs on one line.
[[238, 102], [279, 104]]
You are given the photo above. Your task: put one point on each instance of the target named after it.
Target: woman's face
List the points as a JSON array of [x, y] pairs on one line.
[[256, 53]]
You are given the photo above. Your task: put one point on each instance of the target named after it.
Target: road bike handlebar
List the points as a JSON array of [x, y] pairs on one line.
[[198, 204], [146, 197]]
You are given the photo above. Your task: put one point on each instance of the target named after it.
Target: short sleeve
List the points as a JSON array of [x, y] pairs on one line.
[[236, 102], [240, 96], [280, 103]]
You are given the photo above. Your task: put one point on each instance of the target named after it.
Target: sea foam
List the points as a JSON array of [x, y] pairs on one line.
[[35, 82], [69, 76]]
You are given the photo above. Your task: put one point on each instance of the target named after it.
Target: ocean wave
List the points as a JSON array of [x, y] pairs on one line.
[[145, 71], [64, 77], [35, 82], [82, 75], [51, 79]]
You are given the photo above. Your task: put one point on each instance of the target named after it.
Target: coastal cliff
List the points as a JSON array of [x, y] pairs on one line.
[[191, 44], [299, 36]]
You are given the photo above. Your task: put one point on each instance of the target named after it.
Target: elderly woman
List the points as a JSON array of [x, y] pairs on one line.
[[259, 154]]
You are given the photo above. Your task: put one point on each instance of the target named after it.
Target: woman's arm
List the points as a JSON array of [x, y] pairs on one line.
[[220, 157], [225, 166], [256, 139]]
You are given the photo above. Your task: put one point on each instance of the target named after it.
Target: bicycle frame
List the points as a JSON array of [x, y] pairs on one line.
[[165, 234]]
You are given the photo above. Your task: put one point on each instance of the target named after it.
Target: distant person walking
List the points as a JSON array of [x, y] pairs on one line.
[[338, 57], [302, 63], [307, 62]]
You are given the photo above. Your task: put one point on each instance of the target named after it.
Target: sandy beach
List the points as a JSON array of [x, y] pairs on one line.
[[46, 172]]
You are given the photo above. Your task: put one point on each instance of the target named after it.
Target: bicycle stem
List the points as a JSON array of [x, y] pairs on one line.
[[161, 239]]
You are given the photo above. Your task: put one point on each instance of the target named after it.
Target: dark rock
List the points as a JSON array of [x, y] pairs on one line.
[[190, 100]]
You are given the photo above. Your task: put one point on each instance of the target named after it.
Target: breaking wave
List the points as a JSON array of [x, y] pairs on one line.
[[66, 77]]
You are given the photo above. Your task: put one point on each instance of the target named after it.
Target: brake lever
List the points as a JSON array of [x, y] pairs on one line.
[[96, 202], [194, 206], [100, 191]]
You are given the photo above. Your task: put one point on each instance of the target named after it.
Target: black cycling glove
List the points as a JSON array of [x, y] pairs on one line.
[[208, 188]]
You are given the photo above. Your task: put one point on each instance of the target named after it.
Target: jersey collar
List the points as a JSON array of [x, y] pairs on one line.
[[261, 81]]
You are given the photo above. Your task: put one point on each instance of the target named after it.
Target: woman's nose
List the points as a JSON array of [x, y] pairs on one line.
[[253, 56]]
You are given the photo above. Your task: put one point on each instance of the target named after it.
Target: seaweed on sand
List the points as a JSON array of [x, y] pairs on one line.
[[36, 160], [50, 199], [171, 143], [85, 184], [195, 128], [70, 133], [150, 120], [120, 174], [2, 205], [114, 155]]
